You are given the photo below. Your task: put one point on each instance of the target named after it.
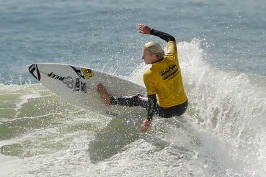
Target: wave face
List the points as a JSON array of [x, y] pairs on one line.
[[221, 133]]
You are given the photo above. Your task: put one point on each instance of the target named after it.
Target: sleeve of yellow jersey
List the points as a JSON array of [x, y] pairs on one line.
[[171, 49]]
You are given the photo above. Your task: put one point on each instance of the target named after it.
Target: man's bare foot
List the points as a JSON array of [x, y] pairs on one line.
[[104, 94]]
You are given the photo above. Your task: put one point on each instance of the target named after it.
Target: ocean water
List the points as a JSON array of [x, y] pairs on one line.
[[222, 52]]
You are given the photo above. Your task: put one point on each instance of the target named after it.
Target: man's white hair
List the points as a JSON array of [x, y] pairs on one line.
[[154, 49]]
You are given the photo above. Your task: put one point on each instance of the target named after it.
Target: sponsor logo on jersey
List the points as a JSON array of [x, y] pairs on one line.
[[170, 72]]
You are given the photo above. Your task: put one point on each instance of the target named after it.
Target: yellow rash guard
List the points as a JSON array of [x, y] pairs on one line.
[[164, 79]]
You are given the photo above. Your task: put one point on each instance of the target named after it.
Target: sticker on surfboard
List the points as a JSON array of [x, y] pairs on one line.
[[87, 73], [83, 73]]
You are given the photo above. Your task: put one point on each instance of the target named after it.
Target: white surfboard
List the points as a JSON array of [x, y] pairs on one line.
[[78, 85]]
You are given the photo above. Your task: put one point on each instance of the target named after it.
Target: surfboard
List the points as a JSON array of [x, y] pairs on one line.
[[78, 85]]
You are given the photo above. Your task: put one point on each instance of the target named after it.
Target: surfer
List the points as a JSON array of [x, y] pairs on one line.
[[163, 81]]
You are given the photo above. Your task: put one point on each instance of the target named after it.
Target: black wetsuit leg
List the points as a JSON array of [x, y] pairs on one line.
[[130, 101], [138, 100]]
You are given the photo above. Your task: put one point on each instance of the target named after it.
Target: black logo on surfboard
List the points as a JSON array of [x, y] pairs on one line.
[[33, 69], [74, 84]]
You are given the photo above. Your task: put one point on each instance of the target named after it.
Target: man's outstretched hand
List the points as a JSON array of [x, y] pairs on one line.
[[144, 29]]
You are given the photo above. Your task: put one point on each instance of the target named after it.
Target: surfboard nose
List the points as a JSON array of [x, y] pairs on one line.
[[33, 69]]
